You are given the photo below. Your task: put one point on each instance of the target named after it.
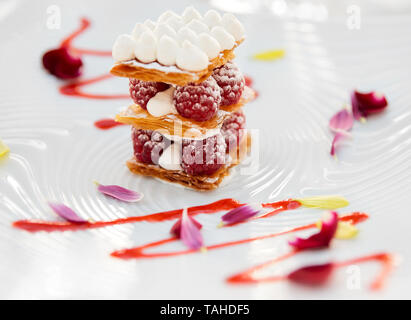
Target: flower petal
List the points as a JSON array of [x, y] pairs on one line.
[[240, 214], [190, 232], [269, 55], [322, 238], [324, 202], [120, 193], [4, 149], [345, 230], [66, 213], [342, 120], [339, 136], [364, 104], [176, 228], [62, 64], [315, 275]]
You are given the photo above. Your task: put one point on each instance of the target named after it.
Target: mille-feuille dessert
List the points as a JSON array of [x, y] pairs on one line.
[[187, 122]]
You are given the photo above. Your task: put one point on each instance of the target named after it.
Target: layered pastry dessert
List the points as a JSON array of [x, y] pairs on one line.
[[187, 122]]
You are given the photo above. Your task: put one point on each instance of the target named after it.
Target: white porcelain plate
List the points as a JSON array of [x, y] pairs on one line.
[[57, 153]]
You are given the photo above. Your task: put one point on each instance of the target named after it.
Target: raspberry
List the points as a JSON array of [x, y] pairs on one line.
[[231, 129], [199, 102], [230, 79], [148, 145], [141, 91], [203, 157]]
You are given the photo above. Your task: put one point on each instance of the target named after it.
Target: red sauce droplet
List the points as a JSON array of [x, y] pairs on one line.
[[107, 123]]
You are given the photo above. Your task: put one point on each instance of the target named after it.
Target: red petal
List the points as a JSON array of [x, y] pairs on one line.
[[176, 228], [342, 120], [322, 238], [312, 275], [60, 63], [364, 104]]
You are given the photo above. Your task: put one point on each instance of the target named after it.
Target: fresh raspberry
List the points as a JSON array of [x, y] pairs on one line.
[[141, 91], [200, 101], [203, 157], [231, 129], [148, 145], [230, 79]]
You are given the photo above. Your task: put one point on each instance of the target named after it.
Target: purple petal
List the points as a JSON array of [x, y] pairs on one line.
[[176, 228], [322, 238], [62, 63], [365, 104], [240, 214], [66, 213], [189, 232], [339, 136], [342, 120], [312, 275], [120, 193]]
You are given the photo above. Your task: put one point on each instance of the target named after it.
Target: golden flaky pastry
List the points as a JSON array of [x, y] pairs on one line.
[[170, 74]]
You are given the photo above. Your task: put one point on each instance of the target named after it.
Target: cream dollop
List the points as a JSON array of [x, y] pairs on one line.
[[138, 30], [233, 26], [175, 22], [123, 48], [162, 29], [146, 47], [167, 15], [186, 33], [209, 45], [191, 58], [190, 13], [167, 50], [150, 24], [225, 39], [170, 159], [162, 103], [212, 18], [197, 26]]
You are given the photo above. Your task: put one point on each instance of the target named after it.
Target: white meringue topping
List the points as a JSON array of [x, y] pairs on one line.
[[167, 50], [225, 39], [123, 48], [197, 26], [138, 30], [190, 13], [150, 24], [170, 159], [233, 26], [209, 45], [146, 47], [162, 29], [207, 37], [212, 18], [191, 58], [186, 33]]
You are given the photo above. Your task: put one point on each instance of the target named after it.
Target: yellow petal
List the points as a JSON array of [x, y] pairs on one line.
[[345, 230], [3, 149], [324, 202], [269, 55]]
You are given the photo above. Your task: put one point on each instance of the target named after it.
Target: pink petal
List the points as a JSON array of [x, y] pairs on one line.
[[190, 233], [120, 193], [66, 213], [312, 275], [62, 64], [322, 238], [342, 120], [240, 214], [176, 228], [339, 136], [364, 104]]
